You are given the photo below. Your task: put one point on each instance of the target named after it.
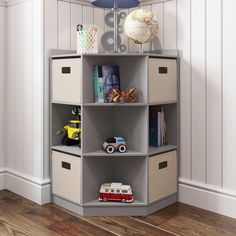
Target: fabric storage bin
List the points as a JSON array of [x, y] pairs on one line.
[[66, 176], [66, 80], [162, 175], [162, 80]]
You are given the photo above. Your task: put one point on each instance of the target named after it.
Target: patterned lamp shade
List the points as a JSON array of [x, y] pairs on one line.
[[119, 3]]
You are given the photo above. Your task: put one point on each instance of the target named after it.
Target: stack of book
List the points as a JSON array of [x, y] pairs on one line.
[[105, 79], [157, 127]]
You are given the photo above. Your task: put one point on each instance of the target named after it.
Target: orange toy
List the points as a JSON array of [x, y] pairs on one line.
[[124, 96]]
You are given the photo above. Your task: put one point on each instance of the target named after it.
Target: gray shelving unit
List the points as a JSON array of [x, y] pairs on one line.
[[78, 173]]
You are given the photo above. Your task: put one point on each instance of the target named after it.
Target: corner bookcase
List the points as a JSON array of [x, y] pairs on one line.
[[78, 173]]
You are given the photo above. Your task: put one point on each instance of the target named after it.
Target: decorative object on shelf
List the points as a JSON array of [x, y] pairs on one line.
[[114, 5], [115, 143], [105, 79], [87, 39], [72, 131], [141, 26], [116, 192], [157, 127], [107, 38], [124, 96]]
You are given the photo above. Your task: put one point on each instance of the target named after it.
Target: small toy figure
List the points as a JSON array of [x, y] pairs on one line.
[[116, 192], [115, 143], [124, 96], [72, 130]]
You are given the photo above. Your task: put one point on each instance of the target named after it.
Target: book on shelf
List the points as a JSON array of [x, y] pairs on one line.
[[157, 127], [105, 79], [98, 83]]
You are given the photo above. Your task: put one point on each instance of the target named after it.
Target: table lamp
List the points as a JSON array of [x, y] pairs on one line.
[[115, 5]]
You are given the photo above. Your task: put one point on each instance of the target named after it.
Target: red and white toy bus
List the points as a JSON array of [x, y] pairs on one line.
[[116, 192]]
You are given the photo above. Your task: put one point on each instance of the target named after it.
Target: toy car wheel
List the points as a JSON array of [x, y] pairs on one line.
[[110, 149], [122, 148], [123, 200], [104, 199]]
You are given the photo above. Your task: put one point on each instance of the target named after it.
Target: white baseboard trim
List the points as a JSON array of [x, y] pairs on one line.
[[26, 186], [208, 197], [2, 180]]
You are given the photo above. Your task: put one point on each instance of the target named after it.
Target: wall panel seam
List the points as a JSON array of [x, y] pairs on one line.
[[222, 96], [191, 107], [206, 99], [163, 18]]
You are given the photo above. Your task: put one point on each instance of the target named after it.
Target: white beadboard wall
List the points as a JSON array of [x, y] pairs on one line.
[[24, 89], [206, 39], [2, 85], [70, 13]]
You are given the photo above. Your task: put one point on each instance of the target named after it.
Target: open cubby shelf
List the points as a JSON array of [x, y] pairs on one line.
[[144, 167], [105, 170], [135, 104], [100, 123], [101, 153], [133, 73], [97, 203]]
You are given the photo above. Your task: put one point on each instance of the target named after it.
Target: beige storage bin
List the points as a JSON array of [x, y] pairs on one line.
[[66, 176], [162, 175], [162, 80], [66, 80]]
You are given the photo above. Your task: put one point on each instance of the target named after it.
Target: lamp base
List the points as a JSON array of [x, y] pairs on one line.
[[115, 10]]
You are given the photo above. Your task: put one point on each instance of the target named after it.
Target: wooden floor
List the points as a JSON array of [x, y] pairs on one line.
[[20, 217]]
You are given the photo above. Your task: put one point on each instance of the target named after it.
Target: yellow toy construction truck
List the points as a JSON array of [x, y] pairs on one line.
[[72, 131]]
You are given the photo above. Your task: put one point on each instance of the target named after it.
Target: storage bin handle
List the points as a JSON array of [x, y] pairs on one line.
[[66, 70], [163, 165], [65, 165], [163, 70]]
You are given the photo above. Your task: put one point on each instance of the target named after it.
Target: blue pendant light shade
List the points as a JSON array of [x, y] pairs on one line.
[[119, 3]]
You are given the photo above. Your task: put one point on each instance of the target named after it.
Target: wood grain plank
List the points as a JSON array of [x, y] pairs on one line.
[[184, 226], [7, 229], [75, 226], [5, 194], [141, 227], [19, 216], [46, 215], [210, 218], [20, 222], [161, 216], [17, 204], [124, 226]]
